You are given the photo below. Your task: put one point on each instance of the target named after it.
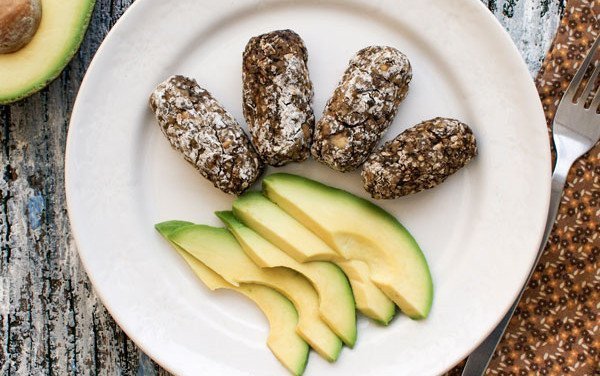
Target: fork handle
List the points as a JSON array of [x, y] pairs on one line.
[[480, 358]]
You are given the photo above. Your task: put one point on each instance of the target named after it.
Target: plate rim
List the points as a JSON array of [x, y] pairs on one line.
[[482, 11]]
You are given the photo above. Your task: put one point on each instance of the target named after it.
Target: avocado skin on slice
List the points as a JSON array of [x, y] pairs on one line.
[[287, 346], [39, 62], [336, 302], [359, 229], [168, 227]]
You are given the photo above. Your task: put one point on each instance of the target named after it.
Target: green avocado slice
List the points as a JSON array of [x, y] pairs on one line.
[[270, 222], [336, 302], [61, 30], [284, 342], [219, 250], [359, 229]]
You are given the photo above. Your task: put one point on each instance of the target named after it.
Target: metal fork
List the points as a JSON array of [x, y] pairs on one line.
[[576, 129]]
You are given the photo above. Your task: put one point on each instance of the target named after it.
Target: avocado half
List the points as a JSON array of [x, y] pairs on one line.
[[58, 37]]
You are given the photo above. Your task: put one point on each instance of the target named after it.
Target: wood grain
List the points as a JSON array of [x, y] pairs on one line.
[[531, 24], [51, 321]]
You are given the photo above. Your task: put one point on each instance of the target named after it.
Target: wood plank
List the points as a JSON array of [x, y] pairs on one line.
[[531, 24], [51, 320]]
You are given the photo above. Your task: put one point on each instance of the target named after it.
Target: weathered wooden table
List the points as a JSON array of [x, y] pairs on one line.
[[51, 322]]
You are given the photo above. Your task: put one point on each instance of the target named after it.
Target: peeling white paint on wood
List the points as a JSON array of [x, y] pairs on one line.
[[51, 322], [531, 24]]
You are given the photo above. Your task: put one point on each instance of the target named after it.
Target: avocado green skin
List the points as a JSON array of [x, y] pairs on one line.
[[169, 227], [55, 71], [228, 218], [365, 205]]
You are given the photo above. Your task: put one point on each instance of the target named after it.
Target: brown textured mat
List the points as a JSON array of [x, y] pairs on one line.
[[556, 328]]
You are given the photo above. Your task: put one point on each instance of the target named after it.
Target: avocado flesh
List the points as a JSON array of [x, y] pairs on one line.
[[219, 250], [284, 342], [359, 229], [270, 221], [61, 30], [256, 212], [336, 302], [287, 346], [370, 300]]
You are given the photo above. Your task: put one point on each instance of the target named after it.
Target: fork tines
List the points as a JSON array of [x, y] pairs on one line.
[[585, 82]]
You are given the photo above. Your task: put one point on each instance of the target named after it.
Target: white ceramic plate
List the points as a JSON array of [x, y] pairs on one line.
[[479, 230]]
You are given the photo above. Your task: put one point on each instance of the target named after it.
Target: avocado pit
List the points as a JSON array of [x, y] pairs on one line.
[[19, 20]]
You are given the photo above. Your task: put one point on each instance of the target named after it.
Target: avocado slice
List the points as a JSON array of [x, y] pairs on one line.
[[61, 30], [270, 222], [359, 229], [219, 250], [336, 302], [284, 342]]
